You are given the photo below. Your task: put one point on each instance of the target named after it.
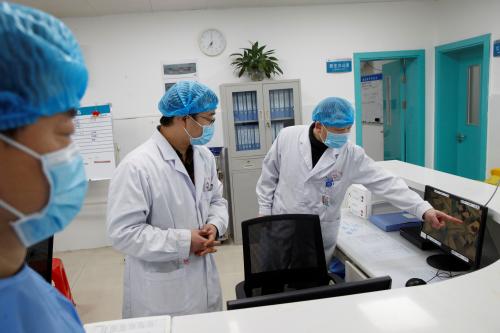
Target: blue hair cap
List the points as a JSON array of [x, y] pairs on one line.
[[187, 97], [334, 112], [41, 66]]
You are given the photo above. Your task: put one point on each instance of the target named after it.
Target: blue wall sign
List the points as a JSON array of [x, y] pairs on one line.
[[371, 77], [496, 48], [339, 66]]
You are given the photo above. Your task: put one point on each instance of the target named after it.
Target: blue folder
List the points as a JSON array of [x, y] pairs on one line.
[[395, 221]]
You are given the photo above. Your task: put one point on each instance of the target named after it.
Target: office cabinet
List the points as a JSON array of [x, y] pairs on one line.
[[254, 114]]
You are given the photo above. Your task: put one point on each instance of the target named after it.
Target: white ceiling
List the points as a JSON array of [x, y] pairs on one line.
[[82, 8]]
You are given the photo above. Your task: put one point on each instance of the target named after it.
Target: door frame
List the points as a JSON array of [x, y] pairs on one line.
[[419, 56], [440, 51]]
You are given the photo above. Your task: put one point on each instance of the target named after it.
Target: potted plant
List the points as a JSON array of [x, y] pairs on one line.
[[256, 62]]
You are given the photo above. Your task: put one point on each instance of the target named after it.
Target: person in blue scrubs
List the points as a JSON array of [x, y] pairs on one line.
[[42, 177]]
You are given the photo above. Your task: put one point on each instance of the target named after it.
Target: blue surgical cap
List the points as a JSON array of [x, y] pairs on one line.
[[187, 97], [335, 112], [41, 66]]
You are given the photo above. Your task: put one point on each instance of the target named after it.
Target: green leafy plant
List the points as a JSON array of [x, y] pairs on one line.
[[256, 62]]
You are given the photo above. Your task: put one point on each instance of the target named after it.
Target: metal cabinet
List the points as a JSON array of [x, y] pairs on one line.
[[254, 113]]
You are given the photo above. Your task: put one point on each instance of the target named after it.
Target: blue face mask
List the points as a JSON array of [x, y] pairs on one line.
[[206, 135], [335, 140], [65, 173]]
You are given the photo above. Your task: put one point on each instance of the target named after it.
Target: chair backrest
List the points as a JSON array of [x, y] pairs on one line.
[[342, 289], [39, 258], [283, 249]]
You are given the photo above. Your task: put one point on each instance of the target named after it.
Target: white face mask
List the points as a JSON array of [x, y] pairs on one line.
[[65, 173]]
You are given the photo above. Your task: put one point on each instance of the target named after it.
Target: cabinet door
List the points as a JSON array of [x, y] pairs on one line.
[[281, 108], [246, 130], [244, 199]]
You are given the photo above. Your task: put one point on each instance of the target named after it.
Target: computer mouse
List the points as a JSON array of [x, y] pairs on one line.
[[415, 282]]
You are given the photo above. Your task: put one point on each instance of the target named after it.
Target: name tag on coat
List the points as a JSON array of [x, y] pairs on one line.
[[207, 184]]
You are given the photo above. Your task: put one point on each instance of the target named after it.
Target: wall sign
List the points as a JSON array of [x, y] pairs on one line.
[[496, 48], [339, 66]]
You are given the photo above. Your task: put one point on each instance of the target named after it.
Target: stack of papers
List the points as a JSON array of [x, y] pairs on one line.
[[158, 324]]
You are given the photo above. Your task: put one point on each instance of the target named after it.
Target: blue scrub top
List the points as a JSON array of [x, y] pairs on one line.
[[29, 304]]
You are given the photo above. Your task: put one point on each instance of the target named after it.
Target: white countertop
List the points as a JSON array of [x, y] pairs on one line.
[[469, 304]]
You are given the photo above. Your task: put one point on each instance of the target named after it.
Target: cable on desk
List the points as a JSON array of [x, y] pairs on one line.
[[496, 188], [441, 274], [444, 275]]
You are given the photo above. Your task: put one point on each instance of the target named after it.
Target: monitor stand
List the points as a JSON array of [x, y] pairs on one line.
[[447, 262]]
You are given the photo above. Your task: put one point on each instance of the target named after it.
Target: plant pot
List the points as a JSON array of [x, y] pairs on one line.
[[256, 76]]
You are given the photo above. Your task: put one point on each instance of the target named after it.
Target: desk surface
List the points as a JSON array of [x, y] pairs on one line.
[[417, 177], [380, 253], [469, 303]]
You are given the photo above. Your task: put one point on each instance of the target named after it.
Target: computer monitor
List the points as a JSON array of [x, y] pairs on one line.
[[341, 289], [461, 242], [39, 258]]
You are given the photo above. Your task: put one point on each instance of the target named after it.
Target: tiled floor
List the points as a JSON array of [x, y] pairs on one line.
[[96, 279]]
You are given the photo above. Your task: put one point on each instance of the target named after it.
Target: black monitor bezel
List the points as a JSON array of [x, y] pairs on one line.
[[484, 215]]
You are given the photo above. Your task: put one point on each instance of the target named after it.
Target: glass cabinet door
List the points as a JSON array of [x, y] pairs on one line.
[[281, 104], [245, 121]]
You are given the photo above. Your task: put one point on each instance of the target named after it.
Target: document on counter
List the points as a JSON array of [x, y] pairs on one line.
[[369, 242], [157, 324]]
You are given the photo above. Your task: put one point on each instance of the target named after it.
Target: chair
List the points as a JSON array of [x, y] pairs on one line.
[[60, 279], [342, 289], [283, 253], [39, 258]]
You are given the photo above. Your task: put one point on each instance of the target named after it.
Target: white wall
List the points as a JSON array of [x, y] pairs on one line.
[[124, 54], [460, 19]]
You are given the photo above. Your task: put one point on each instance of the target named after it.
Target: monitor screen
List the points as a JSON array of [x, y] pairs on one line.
[[464, 240]]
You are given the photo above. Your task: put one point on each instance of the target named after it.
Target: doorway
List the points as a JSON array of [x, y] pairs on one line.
[[462, 76], [390, 105]]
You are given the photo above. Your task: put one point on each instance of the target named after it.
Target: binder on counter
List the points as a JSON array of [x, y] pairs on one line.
[[395, 221]]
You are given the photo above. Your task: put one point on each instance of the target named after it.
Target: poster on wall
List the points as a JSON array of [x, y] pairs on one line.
[[178, 71], [94, 139], [371, 97]]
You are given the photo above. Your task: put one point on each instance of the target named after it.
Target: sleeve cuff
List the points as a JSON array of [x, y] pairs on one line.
[[220, 227], [184, 243], [264, 211], [422, 208]]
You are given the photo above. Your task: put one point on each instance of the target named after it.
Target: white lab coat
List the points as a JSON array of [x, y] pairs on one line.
[[289, 185], [152, 206]]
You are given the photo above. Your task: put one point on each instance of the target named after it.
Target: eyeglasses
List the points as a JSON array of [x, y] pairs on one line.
[[210, 120]]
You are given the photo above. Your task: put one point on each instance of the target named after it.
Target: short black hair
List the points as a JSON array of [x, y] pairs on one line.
[[9, 132], [166, 121]]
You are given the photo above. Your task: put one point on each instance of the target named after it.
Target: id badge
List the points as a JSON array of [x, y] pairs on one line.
[[207, 185], [325, 200], [325, 197]]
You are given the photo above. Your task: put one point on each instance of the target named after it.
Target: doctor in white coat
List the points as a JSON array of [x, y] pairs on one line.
[[309, 168], [165, 210]]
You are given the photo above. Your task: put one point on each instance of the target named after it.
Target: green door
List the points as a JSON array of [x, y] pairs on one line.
[[462, 75], [393, 95]]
